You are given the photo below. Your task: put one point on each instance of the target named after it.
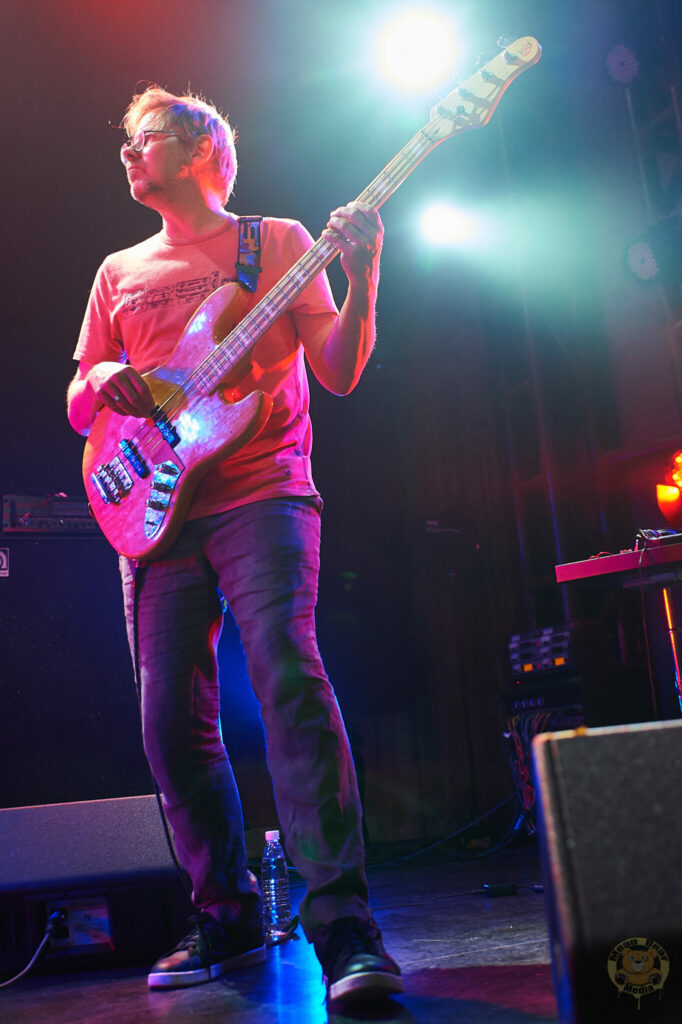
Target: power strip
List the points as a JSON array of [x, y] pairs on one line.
[[86, 926]]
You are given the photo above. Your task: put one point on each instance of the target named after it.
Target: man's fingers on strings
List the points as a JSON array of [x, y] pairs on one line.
[[128, 398], [347, 232]]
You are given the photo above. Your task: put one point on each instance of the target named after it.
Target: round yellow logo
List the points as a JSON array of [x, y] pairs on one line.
[[638, 967]]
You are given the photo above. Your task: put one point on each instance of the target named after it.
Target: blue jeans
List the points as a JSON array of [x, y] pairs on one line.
[[264, 558]]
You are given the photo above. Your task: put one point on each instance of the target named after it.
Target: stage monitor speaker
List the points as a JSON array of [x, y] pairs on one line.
[[106, 865], [610, 825]]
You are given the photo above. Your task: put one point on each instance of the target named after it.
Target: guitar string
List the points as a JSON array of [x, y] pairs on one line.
[[283, 293]]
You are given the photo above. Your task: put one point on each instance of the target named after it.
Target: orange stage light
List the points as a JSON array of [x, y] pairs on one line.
[[669, 500]]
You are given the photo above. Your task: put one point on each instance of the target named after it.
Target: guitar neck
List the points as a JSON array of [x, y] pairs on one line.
[[311, 263], [467, 106]]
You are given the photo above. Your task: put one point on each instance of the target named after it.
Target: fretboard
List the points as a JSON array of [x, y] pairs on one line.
[[280, 297]]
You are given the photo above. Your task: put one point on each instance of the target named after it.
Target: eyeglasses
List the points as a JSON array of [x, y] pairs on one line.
[[138, 140]]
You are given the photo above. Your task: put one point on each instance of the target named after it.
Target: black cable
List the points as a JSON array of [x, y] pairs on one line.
[[445, 839], [506, 839], [138, 576], [645, 536], [57, 917], [492, 890]]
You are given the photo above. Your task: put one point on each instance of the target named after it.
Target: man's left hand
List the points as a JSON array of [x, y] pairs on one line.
[[357, 232]]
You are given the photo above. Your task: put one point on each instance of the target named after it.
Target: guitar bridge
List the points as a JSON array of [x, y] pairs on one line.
[[166, 476], [112, 480]]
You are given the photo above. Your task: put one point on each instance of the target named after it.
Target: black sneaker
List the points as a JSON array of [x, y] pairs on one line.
[[207, 952], [354, 962]]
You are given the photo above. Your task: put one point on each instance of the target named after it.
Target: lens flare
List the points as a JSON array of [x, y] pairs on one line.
[[446, 225], [416, 50]]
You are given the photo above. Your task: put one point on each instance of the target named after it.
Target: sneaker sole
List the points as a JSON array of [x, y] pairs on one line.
[[183, 979], [367, 985]]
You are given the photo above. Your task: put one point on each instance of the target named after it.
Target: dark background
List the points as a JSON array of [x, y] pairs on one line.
[[522, 401]]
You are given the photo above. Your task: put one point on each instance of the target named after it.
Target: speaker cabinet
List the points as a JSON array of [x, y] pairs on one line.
[[610, 824], [71, 721], [106, 865]]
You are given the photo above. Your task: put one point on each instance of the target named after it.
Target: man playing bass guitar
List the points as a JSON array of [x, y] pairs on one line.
[[250, 535]]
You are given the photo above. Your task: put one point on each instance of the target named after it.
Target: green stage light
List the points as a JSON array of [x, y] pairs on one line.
[[445, 225]]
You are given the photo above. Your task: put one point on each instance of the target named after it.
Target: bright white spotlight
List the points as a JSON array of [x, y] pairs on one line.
[[417, 50], [446, 225]]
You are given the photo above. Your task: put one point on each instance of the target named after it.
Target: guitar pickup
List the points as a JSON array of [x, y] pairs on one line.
[[134, 458], [168, 431]]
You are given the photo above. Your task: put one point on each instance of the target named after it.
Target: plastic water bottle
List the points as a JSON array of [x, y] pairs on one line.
[[274, 881]]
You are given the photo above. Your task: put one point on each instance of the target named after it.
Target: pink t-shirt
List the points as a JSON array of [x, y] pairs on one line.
[[139, 305]]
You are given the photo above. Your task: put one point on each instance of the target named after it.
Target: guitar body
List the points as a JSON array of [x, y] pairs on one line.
[[140, 474]]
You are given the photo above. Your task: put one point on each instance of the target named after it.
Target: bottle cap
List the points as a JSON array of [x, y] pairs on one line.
[[272, 836]]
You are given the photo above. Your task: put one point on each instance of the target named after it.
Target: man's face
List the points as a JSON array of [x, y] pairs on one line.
[[158, 169]]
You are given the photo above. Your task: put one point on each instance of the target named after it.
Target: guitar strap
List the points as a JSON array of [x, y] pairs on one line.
[[248, 262]]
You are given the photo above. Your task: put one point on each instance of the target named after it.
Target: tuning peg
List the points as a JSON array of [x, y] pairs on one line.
[[444, 111], [504, 41], [481, 61]]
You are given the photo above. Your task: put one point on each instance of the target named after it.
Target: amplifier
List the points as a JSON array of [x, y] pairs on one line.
[[70, 709], [55, 514], [543, 650], [544, 667], [579, 662]]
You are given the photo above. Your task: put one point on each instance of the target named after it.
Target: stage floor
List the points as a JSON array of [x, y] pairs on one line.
[[465, 958]]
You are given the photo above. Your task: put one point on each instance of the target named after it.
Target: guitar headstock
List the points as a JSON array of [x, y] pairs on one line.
[[473, 102]]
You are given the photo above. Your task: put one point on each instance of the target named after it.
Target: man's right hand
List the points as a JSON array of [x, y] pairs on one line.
[[114, 385], [121, 388]]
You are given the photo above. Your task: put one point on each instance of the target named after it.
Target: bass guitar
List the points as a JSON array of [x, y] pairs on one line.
[[140, 474]]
